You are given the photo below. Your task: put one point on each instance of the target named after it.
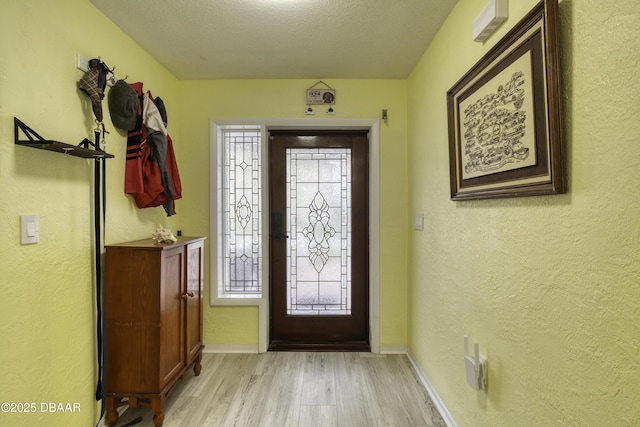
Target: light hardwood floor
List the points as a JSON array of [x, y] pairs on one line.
[[289, 389]]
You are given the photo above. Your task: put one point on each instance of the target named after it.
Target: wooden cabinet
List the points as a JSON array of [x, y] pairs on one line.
[[153, 313]]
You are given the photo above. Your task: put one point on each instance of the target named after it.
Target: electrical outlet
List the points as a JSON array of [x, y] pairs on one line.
[[82, 63]]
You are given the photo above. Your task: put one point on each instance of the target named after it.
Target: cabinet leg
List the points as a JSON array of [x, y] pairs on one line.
[[197, 367], [157, 406], [158, 418], [112, 413]]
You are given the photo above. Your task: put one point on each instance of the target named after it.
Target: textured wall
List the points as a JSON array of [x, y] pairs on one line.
[[47, 337], [204, 100], [549, 286]]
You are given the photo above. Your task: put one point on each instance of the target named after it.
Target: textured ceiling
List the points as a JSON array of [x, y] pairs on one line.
[[242, 39]]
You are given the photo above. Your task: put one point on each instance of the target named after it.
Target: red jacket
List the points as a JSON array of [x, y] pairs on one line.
[[143, 177]]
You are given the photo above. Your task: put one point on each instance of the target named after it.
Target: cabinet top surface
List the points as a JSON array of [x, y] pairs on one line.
[[152, 244]]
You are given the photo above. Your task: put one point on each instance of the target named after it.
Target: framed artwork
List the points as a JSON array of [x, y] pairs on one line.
[[505, 118]]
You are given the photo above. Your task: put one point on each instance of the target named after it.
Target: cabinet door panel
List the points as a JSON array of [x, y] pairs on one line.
[[132, 311], [171, 314], [195, 281]]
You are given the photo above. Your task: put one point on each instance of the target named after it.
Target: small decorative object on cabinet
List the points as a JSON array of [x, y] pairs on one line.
[[153, 313]]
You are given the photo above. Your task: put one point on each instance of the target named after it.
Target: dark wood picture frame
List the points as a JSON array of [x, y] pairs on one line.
[[505, 116]]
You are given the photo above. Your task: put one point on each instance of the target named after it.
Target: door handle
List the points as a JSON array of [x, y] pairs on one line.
[[280, 236]]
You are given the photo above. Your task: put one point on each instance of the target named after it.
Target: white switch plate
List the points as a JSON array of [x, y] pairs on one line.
[[82, 63], [29, 229], [418, 221]]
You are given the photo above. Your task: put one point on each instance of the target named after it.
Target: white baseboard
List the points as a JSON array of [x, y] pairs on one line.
[[252, 348], [393, 350], [224, 348], [431, 391]]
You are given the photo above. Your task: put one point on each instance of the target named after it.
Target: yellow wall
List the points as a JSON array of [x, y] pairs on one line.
[[47, 337], [549, 286], [203, 100]]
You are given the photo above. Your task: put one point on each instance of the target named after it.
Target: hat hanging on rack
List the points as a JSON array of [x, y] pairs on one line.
[[123, 106], [93, 83]]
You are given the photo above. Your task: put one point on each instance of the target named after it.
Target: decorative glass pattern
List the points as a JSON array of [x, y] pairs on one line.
[[319, 220], [242, 231], [319, 232]]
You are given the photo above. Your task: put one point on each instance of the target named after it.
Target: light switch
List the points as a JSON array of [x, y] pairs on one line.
[[418, 221], [82, 63], [29, 229]]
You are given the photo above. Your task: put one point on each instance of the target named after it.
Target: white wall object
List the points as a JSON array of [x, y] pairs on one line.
[[475, 366], [494, 14], [82, 63], [418, 221], [29, 229]]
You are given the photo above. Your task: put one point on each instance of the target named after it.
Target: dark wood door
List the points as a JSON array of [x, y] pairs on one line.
[[319, 240]]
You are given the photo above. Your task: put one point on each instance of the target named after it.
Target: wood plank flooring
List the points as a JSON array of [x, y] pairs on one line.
[[290, 389]]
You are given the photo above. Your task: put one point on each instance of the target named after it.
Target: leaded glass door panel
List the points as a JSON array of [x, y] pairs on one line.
[[319, 239], [318, 213]]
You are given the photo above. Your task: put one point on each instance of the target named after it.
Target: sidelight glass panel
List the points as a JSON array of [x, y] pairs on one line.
[[241, 211], [318, 194]]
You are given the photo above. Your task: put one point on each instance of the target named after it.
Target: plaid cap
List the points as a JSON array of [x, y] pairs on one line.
[[93, 84]]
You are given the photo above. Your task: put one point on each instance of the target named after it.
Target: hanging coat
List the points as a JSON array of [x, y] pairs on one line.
[[151, 170], [155, 193], [133, 164]]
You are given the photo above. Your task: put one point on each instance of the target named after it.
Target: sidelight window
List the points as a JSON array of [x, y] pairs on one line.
[[239, 213]]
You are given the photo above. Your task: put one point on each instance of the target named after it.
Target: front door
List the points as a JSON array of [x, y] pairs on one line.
[[319, 240]]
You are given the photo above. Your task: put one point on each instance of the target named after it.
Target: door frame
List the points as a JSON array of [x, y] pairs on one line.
[[372, 125]]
